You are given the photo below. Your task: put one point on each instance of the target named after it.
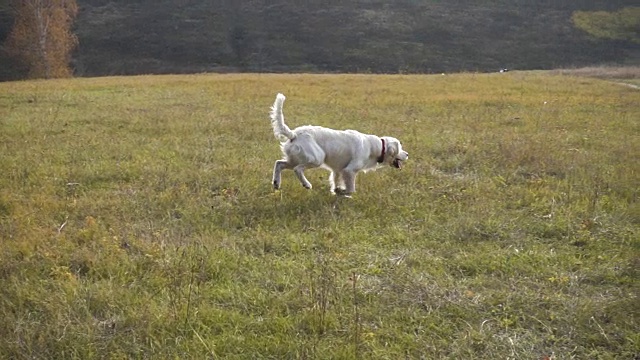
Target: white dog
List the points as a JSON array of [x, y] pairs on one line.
[[343, 152]]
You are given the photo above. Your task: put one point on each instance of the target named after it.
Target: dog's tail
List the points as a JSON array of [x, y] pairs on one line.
[[280, 129]]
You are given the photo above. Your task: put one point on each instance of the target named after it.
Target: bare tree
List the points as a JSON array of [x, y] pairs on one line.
[[41, 36]]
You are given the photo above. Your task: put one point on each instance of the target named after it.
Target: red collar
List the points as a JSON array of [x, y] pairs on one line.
[[381, 158]]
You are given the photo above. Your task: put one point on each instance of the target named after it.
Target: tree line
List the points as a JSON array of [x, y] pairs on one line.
[[56, 38]]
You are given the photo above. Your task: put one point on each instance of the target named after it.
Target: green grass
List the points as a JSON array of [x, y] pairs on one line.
[[137, 220]]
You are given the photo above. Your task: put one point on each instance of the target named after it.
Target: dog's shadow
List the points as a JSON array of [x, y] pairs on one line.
[[295, 207]]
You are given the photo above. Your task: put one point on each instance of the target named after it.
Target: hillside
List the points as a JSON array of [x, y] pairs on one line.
[[170, 36]]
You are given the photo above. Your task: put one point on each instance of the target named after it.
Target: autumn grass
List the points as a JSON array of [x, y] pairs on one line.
[[137, 220]]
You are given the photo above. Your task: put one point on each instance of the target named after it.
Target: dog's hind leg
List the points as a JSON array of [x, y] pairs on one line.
[[277, 170], [299, 170]]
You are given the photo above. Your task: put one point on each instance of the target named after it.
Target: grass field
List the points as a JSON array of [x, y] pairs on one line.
[[137, 220]]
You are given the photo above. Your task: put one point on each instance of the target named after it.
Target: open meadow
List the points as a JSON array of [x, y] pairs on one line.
[[138, 220]]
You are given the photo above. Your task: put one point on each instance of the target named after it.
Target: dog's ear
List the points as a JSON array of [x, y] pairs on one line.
[[392, 148]]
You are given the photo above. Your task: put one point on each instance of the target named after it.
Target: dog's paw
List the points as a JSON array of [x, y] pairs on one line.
[[307, 186], [276, 185], [339, 192]]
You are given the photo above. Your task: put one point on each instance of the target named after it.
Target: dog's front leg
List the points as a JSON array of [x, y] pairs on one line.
[[349, 178], [337, 183]]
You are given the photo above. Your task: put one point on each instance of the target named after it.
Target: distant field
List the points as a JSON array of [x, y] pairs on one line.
[[137, 220], [621, 74]]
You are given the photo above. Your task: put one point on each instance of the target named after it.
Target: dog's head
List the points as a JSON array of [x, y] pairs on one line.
[[394, 155]]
